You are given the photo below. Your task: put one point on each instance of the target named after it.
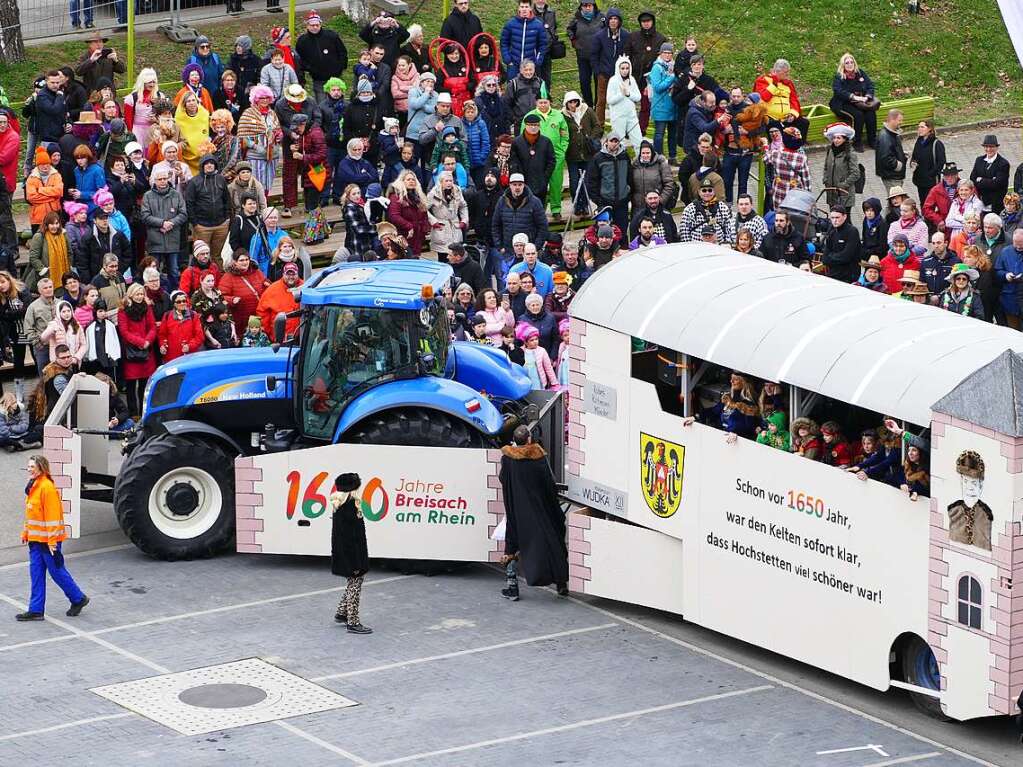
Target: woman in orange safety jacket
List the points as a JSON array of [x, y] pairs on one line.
[[43, 532]]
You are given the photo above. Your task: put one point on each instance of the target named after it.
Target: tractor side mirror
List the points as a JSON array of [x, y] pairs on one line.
[[280, 327]]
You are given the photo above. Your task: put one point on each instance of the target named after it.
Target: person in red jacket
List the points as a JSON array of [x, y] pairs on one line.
[[777, 91], [939, 199], [407, 211], [241, 286], [899, 259], [180, 332], [279, 298], [837, 452], [200, 265], [10, 145], [136, 326], [308, 148]]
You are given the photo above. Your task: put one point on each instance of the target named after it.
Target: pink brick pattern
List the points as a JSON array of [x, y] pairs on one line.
[[247, 501], [576, 457], [579, 573], [1003, 596], [495, 507], [57, 444]]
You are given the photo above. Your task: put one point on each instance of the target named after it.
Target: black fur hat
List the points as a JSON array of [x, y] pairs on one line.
[[347, 483]]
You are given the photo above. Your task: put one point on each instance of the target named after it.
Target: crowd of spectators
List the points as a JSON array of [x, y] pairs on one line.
[[152, 229]]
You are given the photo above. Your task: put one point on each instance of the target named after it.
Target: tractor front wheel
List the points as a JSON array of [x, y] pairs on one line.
[[174, 498]]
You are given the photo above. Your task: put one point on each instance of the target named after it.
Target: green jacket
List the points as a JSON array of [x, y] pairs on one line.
[[555, 128]]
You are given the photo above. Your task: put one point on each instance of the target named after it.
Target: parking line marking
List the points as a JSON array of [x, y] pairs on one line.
[[242, 605], [905, 759], [321, 743], [781, 683], [65, 726], [73, 556], [575, 725], [460, 653], [95, 639], [195, 614]]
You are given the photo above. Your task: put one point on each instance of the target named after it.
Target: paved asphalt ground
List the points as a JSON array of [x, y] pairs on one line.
[[454, 675]]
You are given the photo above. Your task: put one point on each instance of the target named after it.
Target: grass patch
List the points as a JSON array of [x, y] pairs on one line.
[[959, 51]]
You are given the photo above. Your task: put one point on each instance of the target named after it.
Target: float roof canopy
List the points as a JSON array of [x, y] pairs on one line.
[[777, 323]]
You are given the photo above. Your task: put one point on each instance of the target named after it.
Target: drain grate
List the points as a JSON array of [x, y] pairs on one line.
[[220, 697]]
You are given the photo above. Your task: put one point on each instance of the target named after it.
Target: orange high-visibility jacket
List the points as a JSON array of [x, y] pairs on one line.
[[44, 513]]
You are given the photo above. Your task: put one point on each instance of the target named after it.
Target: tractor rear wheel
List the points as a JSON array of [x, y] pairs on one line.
[[174, 498], [416, 427]]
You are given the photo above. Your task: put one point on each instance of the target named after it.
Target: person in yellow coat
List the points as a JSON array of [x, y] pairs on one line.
[[554, 126], [194, 122], [43, 532]]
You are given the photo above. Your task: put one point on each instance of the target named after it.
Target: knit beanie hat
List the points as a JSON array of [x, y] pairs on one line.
[[199, 246], [42, 157]]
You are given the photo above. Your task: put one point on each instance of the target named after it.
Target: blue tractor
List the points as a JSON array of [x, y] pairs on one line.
[[371, 361]]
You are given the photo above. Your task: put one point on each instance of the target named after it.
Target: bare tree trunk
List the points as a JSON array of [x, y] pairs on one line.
[[12, 47]]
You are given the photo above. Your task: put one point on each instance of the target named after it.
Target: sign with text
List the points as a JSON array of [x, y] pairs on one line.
[[418, 502], [600, 400]]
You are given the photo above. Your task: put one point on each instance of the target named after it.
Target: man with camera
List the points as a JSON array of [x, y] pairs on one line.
[[99, 62]]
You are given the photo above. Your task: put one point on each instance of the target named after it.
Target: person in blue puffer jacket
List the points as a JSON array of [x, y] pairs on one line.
[[523, 37], [662, 109], [89, 176], [477, 141]]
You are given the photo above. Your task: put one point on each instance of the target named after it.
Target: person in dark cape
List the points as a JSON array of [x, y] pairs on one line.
[[534, 523], [349, 554]]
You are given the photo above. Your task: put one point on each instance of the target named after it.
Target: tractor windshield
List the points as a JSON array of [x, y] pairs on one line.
[[346, 351]]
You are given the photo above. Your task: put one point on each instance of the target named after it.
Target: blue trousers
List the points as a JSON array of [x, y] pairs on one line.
[[40, 562], [731, 163], [84, 5], [664, 128]]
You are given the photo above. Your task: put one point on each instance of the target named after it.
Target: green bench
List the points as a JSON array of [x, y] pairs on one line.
[[913, 109]]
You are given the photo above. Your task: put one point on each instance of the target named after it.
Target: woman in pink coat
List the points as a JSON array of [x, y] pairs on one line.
[[64, 329], [498, 317], [537, 362]]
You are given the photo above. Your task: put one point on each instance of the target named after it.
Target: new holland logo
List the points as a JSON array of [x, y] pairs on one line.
[[661, 464]]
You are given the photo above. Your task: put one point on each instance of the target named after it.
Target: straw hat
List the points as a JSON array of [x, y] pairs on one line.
[[874, 262], [911, 276]]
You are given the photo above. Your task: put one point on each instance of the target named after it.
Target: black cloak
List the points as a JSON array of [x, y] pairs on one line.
[[535, 524], [349, 554]]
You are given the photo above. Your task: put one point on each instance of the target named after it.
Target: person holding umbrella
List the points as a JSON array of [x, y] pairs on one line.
[[349, 554]]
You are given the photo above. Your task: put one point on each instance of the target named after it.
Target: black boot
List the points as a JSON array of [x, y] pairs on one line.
[[76, 607], [562, 589], [358, 628], [29, 616], [511, 592], [341, 617]]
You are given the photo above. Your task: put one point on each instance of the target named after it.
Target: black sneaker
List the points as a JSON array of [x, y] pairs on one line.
[[29, 616], [77, 607], [512, 593], [562, 589], [340, 617], [358, 628]]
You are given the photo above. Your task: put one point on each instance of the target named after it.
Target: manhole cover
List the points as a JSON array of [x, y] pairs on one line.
[[215, 698], [222, 695]]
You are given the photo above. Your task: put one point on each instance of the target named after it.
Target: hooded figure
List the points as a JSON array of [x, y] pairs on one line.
[[245, 64], [623, 94], [208, 202], [808, 445], [195, 131], [776, 435], [534, 522]]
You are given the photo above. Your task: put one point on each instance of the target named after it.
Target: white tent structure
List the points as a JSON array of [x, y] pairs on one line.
[[1012, 13], [891, 356]]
